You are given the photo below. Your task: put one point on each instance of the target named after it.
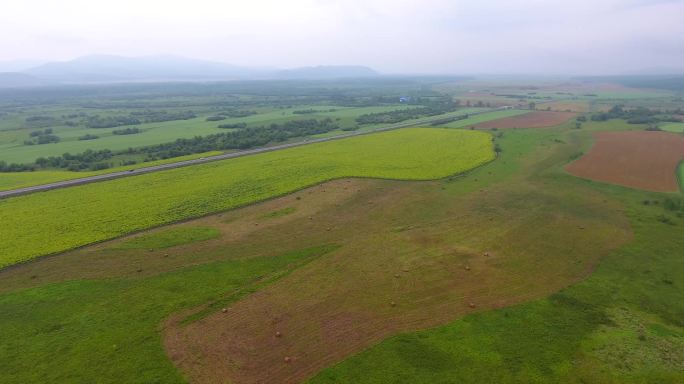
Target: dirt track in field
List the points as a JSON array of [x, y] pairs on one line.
[[536, 119], [638, 159]]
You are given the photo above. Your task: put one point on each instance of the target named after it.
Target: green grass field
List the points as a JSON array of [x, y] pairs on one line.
[[673, 127], [58, 220]]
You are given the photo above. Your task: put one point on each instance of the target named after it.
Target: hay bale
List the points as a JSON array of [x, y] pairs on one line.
[[396, 275], [467, 267], [224, 310], [393, 304], [471, 305], [278, 334], [287, 359]]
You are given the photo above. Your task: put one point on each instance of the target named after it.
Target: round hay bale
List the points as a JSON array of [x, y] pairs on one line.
[[278, 334], [287, 359], [393, 304], [224, 310], [471, 305], [467, 267], [396, 275]]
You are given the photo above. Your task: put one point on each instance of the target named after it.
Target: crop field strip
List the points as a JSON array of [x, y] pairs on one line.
[[130, 205]]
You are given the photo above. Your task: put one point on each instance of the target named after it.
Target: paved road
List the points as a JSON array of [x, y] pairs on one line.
[[157, 168]]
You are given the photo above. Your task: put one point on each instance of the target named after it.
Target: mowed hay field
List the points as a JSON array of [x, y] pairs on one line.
[[334, 268], [537, 119], [410, 257], [54, 221], [637, 159]]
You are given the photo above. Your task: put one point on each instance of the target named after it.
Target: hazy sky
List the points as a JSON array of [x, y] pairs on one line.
[[426, 36]]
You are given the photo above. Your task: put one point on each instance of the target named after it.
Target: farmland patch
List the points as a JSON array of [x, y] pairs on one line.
[[537, 119], [637, 159], [134, 203]]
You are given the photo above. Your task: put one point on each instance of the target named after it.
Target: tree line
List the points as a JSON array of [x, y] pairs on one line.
[[400, 115]]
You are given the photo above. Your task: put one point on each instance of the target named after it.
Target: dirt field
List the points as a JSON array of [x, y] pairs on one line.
[[537, 119], [411, 257], [643, 160]]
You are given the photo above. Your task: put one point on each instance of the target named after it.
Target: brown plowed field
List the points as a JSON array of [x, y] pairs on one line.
[[638, 159], [537, 119]]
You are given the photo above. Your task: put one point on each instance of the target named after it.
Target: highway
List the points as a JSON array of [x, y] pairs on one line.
[[185, 163]]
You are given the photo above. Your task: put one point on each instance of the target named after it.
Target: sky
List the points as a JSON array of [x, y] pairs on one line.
[[422, 36]]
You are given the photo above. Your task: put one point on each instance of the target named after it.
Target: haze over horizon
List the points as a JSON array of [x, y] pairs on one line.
[[432, 36]]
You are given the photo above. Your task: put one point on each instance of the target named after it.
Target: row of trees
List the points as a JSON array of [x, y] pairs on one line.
[[41, 137], [126, 131], [241, 139], [400, 115], [137, 117]]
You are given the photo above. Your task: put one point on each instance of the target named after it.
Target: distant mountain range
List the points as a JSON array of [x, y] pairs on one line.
[[118, 69]]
